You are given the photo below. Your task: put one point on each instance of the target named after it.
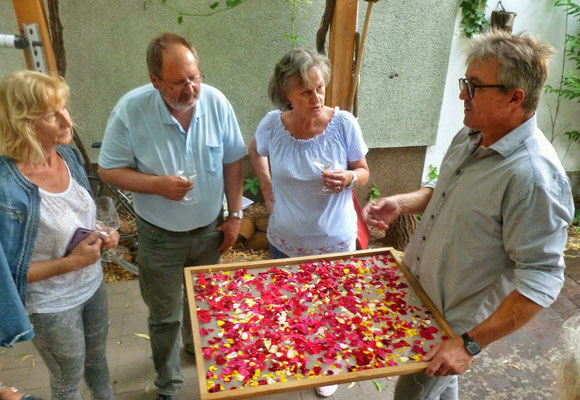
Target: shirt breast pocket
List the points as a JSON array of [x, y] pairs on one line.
[[11, 225], [215, 156]]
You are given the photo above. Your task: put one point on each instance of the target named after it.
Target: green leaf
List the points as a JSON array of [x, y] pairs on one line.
[[432, 172], [378, 385], [180, 19], [374, 192], [232, 3], [252, 185], [214, 5], [573, 135]]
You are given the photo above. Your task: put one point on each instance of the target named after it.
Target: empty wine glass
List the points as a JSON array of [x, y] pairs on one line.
[[107, 223], [324, 161], [187, 170]]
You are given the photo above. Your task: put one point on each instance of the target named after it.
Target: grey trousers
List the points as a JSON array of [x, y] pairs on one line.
[[73, 345], [422, 387], [162, 256]]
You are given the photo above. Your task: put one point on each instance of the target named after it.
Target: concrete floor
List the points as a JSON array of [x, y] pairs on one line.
[[517, 367]]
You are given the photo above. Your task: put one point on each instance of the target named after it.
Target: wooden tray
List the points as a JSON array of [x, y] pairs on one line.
[[267, 382]]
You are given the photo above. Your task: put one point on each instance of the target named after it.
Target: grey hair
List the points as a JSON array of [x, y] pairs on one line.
[[567, 361], [158, 45], [523, 62], [295, 64]]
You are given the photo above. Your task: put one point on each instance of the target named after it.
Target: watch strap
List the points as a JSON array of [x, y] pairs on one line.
[[470, 344], [237, 214]]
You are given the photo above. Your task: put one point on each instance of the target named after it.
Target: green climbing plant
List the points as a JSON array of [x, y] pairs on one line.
[[569, 86], [214, 7], [473, 17]]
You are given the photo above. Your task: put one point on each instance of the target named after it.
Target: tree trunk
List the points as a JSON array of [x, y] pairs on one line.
[[324, 26], [56, 36], [400, 231]]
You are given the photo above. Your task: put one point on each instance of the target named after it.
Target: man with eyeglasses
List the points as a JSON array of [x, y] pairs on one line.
[[150, 132], [489, 249]]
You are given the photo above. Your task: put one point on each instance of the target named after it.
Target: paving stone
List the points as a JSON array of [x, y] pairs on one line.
[[117, 287], [471, 386], [135, 323], [547, 393], [496, 381], [370, 391], [503, 394], [38, 378], [189, 392]]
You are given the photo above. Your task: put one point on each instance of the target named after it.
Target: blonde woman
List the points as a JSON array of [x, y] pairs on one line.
[[44, 198]]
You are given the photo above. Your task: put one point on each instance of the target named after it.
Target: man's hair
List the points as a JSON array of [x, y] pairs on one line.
[[25, 97], [567, 360], [523, 62], [160, 43], [295, 64]]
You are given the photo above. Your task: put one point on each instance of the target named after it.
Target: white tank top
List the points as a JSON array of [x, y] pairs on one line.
[[60, 215]]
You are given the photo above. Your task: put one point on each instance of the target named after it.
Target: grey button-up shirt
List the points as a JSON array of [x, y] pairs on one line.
[[496, 221]]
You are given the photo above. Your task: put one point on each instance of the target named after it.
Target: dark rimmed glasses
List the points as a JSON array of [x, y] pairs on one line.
[[464, 83], [179, 86]]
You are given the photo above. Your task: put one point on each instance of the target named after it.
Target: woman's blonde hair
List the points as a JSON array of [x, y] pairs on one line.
[[24, 97]]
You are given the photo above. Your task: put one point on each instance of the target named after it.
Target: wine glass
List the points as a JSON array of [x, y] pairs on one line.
[[324, 162], [108, 222], [187, 170]]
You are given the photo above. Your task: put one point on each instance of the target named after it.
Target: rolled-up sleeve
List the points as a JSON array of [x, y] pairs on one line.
[[535, 233]]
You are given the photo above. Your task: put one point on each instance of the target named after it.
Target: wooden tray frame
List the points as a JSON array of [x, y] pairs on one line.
[[315, 382]]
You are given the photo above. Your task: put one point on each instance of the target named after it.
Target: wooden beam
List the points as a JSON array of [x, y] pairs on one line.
[[33, 12], [341, 52]]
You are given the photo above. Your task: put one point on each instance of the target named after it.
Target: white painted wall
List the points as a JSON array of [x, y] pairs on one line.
[[542, 20]]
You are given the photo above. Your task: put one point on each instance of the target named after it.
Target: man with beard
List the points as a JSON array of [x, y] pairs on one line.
[[150, 132], [489, 249]]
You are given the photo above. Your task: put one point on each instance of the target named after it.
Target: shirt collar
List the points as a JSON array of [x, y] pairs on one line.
[[166, 117], [508, 144]]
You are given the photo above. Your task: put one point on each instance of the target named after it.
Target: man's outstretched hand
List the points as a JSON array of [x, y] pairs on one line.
[[381, 213]]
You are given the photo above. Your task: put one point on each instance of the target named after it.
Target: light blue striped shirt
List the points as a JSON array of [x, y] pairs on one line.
[[143, 135], [305, 221], [496, 221]]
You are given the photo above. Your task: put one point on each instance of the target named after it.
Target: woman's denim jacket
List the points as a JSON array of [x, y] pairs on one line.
[[19, 209]]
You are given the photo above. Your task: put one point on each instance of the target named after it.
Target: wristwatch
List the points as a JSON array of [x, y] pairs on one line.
[[237, 214], [471, 345], [351, 184]]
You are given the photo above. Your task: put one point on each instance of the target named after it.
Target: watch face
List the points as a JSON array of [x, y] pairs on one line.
[[473, 348]]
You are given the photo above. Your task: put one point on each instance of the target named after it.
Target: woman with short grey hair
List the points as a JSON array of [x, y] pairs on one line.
[[308, 158]]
